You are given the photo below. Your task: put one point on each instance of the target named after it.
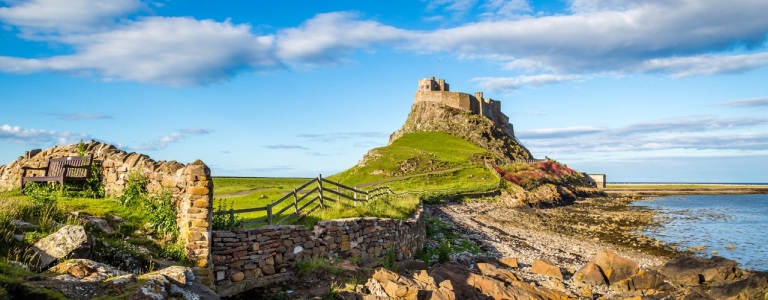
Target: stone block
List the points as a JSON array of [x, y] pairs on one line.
[[237, 276], [198, 190]]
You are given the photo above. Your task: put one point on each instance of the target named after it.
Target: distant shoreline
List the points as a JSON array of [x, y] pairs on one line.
[[665, 189]]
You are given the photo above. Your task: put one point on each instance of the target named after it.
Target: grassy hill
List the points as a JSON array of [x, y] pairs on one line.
[[423, 161]]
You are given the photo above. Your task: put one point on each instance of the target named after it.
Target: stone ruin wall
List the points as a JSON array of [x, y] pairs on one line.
[[190, 185], [476, 104], [245, 259]]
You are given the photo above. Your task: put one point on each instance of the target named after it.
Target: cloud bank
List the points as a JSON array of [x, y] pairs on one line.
[[676, 37]]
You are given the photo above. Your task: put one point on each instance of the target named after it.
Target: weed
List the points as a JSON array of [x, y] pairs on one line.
[[135, 189], [316, 264], [444, 252], [223, 221], [173, 252]]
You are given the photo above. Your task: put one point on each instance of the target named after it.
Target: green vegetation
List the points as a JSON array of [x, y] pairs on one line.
[[446, 240], [13, 285], [389, 206], [414, 153], [231, 185]]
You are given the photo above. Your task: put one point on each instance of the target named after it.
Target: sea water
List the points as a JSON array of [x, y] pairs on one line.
[[718, 222]]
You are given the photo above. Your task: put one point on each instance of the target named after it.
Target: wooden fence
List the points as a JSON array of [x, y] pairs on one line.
[[302, 201]]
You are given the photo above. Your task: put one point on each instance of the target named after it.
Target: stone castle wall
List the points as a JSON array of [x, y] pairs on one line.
[[244, 259], [434, 91], [190, 185]]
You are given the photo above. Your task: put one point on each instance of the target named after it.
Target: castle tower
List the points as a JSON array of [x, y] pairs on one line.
[[430, 84]]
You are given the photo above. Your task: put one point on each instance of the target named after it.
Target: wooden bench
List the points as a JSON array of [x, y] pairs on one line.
[[63, 169]]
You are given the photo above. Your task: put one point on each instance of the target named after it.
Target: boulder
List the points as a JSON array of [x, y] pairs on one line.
[[643, 280], [509, 262], [545, 268], [70, 241], [692, 271], [753, 287], [100, 224], [614, 267], [589, 275]]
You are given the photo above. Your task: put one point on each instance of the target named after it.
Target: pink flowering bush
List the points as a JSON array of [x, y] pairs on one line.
[[531, 175]]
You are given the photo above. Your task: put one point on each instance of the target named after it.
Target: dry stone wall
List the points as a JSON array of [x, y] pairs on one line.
[[190, 185], [245, 259]]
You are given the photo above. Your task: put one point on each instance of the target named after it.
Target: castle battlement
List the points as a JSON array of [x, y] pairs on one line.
[[438, 91]]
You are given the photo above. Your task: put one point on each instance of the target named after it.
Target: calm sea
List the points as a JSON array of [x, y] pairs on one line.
[[715, 221]]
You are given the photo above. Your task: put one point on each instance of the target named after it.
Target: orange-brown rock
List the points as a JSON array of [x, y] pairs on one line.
[[614, 267], [590, 275], [545, 268]]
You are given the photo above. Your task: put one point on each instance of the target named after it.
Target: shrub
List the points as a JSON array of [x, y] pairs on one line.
[[222, 221]]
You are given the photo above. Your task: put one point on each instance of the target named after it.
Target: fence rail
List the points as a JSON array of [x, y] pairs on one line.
[[278, 213]]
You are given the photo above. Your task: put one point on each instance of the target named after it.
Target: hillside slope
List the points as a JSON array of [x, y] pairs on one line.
[[425, 161], [428, 116]]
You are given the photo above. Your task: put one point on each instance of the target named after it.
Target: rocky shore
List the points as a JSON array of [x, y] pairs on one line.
[[591, 249]]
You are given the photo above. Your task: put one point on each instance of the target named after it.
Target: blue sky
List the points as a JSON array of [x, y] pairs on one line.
[[654, 90]]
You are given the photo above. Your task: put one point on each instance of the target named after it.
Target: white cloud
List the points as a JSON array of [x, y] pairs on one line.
[[514, 83], [326, 38], [506, 9], [544, 133], [173, 137], [704, 136], [169, 51], [753, 102], [676, 37], [610, 40], [18, 134], [705, 64], [65, 16]]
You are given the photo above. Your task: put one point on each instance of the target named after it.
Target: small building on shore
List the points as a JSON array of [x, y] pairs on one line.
[[596, 180]]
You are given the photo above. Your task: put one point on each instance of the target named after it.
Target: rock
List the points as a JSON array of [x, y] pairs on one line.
[[24, 226], [178, 275], [546, 268], [589, 276], [753, 287], [70, 241], [410, 265], [614, 267], [693, 271], [85, 270], [510, 262], [99, 224], [643, 280]]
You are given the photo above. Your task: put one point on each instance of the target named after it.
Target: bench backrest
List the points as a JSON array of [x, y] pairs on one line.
[[56, 166]]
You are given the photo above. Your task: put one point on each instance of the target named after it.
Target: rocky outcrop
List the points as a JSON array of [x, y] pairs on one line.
[[70, 241], [430, 116], [86, 279], [454, 281], [694, 271]]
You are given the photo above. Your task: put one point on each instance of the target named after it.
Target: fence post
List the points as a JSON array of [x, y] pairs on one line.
[[320, 189], [338, 196], [355, 196], [296, 204], [231, 217], [269, 214]]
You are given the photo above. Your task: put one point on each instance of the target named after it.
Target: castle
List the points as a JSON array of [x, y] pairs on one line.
[[438, 91]]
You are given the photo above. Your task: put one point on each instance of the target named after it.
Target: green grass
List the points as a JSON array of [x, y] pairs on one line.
[[424, 152], [229, 185], [390, 206]]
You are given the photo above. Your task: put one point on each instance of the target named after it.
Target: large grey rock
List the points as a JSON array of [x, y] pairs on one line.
[[693, 271], [70, 241]]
